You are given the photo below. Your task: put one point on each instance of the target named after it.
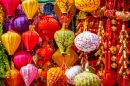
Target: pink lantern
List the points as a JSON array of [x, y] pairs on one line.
[[29, 73], [21, 59], [86, 41]]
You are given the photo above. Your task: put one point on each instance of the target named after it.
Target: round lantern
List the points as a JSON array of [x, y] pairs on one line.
[[21, 59], [45, 52], [48, 25], [11, 41], [56, 77], [10, 6], [29, 73], [30, 7], [86, 79], [30, 39], [70, 58], [87, 5], [86, 41], [72, 72], [21, 23], [14, 78]]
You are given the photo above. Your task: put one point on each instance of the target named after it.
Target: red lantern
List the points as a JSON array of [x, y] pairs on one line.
[[30, 39], [45, 52], [48, 26], [21, 59], [10, 6]]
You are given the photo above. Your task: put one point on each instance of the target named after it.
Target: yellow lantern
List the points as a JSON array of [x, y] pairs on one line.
[[87, 5], [30, 7], [11, 41], [70, 58], [64, 5]]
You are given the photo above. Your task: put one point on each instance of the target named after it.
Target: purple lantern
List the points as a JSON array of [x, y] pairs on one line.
[[29, 73], [21, 23], [19, 10]]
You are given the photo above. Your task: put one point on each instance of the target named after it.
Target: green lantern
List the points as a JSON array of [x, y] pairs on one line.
[[64, 39], [43, 1], [86, 78]]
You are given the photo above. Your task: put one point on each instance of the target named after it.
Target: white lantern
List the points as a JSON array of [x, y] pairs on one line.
[[86, 41], [72, 72]]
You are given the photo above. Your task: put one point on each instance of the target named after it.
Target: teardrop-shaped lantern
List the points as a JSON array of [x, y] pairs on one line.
[[30, 7], [21, 59], [64, 39], [29, 73], [48, 26], [10, 6], [86, 79], [72, 72], [11, 41], [56, 77], [70, 58], [21, 23], [30, 39], [87, 5], [86, 41], [14, 79], [64, 5]]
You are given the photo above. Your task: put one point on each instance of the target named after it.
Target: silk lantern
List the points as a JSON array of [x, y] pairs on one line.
[[19, 10], [87, 5], [21, 23], [30, 38], [56, 77], [11, 41], [30, 7], [2, 15], [48, 25], [64, 5], [15, 78], [86, 41], [21, 59], [72, 72], [86, 78], [70, 58], [45, 52], [29, 73], [43, 1], [10, 6], [64, 39]]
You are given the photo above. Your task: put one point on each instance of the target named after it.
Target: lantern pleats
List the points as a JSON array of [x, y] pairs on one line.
[[11, 41]]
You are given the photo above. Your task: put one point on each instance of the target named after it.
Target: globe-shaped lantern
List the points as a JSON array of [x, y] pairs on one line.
[[72, 72], [86, 41], [87, 5], [48, 26], [86, 78], [56, 77]]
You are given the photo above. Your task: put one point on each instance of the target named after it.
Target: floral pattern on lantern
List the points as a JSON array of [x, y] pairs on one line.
[[86, 41]]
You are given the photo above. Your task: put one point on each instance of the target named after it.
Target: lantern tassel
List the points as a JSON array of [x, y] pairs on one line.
[[63, 66]]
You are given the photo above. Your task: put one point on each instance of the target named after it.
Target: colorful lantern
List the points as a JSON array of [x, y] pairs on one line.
[[2, 15], [29, 73], [14, 78], [10, 6], [64, 5], [86, 79], [87, 41], [11, 41], [72, 72], [21, 23], [70, 58], [30, 39], [30, 7], [43, 1], [45, 52], [87, 5], [49, 26], [21, 59], [19, 10], [64, 39], [56, 77]]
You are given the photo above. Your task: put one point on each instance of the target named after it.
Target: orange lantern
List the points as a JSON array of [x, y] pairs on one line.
[[56, 77], [70, 58], [11, 41]]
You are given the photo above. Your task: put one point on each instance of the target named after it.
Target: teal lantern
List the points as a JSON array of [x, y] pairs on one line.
[[86, 78]]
